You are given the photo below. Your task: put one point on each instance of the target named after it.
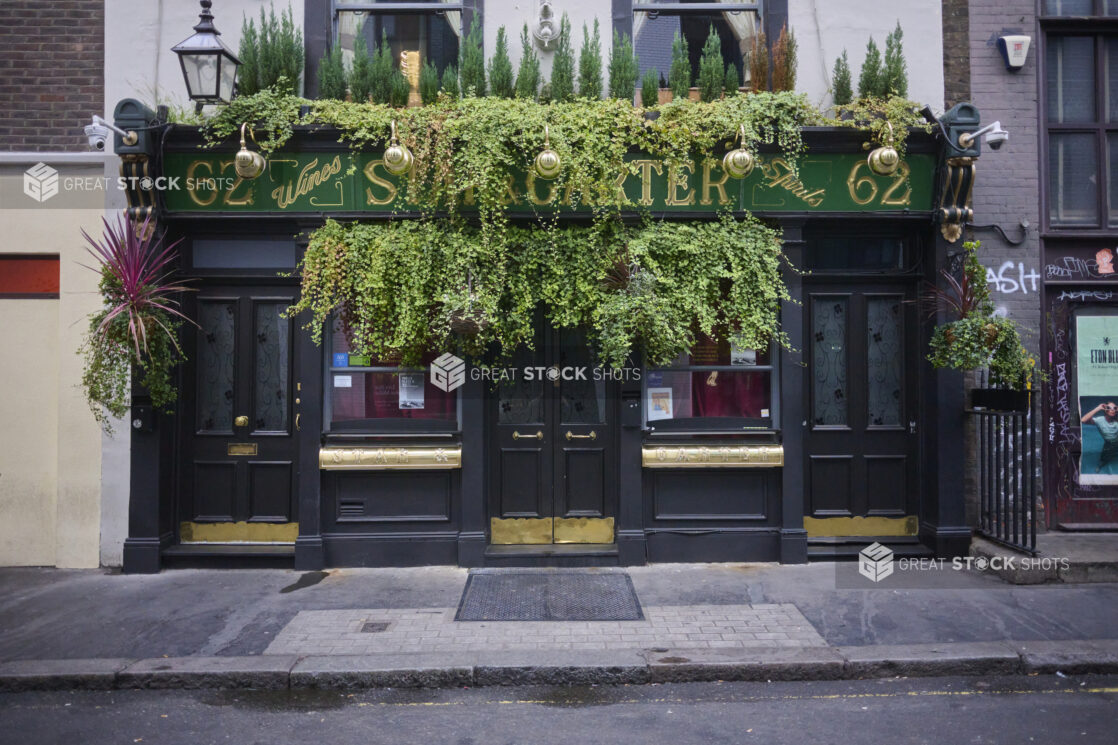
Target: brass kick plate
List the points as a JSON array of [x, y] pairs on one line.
[[861, 526], [241, 448], [238, 532], [545, 530], [584, 530]]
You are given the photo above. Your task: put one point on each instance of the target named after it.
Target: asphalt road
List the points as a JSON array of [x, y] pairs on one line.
[[1079, 710]]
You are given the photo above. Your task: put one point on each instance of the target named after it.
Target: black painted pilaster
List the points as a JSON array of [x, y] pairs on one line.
[[630, 536], [943, 520], [474, 513], [793, 537], [143, 545], [309, 550]]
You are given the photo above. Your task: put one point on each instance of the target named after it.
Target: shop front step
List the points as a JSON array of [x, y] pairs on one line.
[[229, 556], [553, 555]]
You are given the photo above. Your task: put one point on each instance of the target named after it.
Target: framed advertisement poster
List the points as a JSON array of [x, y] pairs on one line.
[[1097, 386]]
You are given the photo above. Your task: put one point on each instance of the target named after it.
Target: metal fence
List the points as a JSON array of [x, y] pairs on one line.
[[1007, 475]]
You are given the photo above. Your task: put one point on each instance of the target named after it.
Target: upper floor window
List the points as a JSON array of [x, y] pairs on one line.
[[1081, 112], [421, 34], [1079, 8], [654, 32]]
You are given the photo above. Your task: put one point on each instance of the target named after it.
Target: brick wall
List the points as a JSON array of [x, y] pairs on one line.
[[52, 55], [956, 57], [1007, 188], [1008, 180]]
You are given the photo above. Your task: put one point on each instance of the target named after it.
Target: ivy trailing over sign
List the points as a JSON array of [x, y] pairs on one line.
[[399, 287]]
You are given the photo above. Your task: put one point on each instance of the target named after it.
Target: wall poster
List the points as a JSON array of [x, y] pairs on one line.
[[1097, 384]]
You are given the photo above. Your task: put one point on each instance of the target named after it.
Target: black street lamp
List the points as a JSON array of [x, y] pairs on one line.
[[209, 67]]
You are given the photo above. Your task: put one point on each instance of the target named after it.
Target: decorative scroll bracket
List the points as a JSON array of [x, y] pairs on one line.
[[956, 188]]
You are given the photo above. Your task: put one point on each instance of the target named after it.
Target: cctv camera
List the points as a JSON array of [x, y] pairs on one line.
[[97, 134], [997, 138]]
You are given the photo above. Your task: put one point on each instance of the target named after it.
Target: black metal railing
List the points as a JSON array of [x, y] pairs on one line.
[[1007, 474]]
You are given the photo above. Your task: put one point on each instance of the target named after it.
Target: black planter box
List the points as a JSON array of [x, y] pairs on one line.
[[999, 399]]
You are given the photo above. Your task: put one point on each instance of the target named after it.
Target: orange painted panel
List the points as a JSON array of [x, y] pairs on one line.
[[29, 275]]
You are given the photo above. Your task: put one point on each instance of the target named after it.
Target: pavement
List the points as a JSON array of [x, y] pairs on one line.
[[1070, 558], [369, 628]]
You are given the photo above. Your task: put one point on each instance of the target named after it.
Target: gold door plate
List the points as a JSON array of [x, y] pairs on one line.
[[532, 531], [836, 527], [584, 530], [390, 458], [240, 532], [241, 448], [520, 531], [712, 456]]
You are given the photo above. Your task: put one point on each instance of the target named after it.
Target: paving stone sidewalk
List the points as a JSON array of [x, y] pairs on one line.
[[434, 630]]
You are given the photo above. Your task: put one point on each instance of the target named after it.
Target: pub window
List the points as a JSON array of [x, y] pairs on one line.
[[1081, 92], [364, 394], [422, 35], [654, 31], [718, 386], [1079, 8]]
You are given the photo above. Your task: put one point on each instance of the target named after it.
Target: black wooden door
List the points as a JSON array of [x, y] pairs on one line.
[[861, 440], [240, 416], [553, 476]]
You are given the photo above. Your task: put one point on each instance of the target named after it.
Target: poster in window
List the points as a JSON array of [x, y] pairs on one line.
[[659, 403], [411, 391], [1097, 378]]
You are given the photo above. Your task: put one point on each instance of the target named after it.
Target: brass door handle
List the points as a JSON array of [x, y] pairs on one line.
[[297, 427], [518, 436], [572, 436], [241, 421]]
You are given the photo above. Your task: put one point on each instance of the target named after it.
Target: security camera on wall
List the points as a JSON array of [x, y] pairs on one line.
[[1014, 50]]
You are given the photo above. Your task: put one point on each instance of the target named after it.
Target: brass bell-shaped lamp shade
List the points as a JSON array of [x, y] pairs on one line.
[[884, 161], [547, 164], [247, 163], [738, 163], [397, 158]]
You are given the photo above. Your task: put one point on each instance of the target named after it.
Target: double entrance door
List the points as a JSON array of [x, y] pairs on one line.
[[861, 426], [238, 472], [553, 469]]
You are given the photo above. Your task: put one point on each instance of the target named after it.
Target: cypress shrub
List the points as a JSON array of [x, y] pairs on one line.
[[679, 75], [332, 75], [730, 81], [712, 75], [361, 76], [843, 94], [563, 65], [472, 62], [784, 61], [450, 82], [759, 63], [528, 76], [501, 83], [623, 68], [896, 69], [871, 81], [590, 64], [650, 89]]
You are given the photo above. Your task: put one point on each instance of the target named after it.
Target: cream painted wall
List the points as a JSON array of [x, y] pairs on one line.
[[139, 35], [50, 446], [823, 29], [29, 449]]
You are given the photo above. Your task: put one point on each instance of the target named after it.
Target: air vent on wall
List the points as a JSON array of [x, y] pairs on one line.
[[351, 508]]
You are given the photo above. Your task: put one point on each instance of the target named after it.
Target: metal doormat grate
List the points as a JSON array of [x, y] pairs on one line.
[[550, 596], [373, 627]]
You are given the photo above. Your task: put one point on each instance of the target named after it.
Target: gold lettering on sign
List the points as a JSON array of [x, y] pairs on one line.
[[192, 178], [900, 178], [708, 165], [388, 187], [310, 178], [645, 166], [779, 173], [510, 196], [678, 178], [229, 200], [533, 197], [854, 185]]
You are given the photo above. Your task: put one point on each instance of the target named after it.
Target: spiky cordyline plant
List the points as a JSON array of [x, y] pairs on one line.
[[135, 267], [137, 324]]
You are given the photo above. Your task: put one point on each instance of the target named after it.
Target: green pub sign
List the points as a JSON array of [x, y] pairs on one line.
[[326, 182]]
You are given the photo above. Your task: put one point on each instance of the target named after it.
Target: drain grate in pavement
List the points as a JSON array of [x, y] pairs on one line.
[[372, 627], [550, 596]]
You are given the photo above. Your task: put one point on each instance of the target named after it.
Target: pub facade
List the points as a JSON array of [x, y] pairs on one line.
[[286, 450]]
